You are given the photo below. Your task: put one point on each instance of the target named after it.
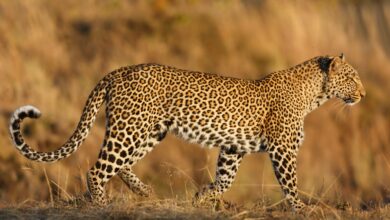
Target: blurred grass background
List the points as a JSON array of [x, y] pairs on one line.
[[53, 53]]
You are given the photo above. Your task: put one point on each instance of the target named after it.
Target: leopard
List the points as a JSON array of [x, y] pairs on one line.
[[146, 102]]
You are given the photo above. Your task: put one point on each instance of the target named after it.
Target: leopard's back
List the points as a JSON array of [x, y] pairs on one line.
[[203, 108]]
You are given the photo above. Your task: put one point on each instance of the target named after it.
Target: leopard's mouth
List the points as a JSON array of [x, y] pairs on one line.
[[351, 100]]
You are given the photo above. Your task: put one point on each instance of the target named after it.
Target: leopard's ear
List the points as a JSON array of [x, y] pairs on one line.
[[330, 65], [324, 63], [342, 57], [335, 64]]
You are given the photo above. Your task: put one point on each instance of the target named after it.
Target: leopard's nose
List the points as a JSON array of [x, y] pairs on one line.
[[362, 92]]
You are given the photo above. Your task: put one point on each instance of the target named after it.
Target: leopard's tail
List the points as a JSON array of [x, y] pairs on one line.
[[95, 100]]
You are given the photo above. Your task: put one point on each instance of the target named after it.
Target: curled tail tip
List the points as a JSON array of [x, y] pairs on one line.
[[26, 111], [17, 117]]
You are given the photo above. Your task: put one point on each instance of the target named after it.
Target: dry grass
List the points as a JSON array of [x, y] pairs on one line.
[[125, 208], [52, 54]]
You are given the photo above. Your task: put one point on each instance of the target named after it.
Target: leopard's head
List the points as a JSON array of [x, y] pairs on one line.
[[343, 80]]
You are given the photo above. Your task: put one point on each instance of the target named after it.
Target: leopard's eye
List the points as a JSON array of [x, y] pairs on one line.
[[354, 80]]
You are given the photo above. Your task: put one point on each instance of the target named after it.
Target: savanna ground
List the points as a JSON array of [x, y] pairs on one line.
[[53, 53], [174, 209]]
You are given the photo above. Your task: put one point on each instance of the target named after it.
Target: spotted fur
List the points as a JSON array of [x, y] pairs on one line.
[[145, 102]]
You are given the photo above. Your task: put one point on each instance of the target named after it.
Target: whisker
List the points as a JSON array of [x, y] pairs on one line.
[[335, 105], [339, 114]]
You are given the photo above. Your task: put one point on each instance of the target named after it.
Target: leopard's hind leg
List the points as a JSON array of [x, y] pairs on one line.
[[107, 166], [157, 133], [134, 183]]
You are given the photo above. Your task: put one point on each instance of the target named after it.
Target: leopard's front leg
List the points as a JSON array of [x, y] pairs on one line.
[[227, 166], [285, 162]]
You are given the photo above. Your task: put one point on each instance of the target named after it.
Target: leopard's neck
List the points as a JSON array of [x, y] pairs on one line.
[[313, 84], [302, 87]]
